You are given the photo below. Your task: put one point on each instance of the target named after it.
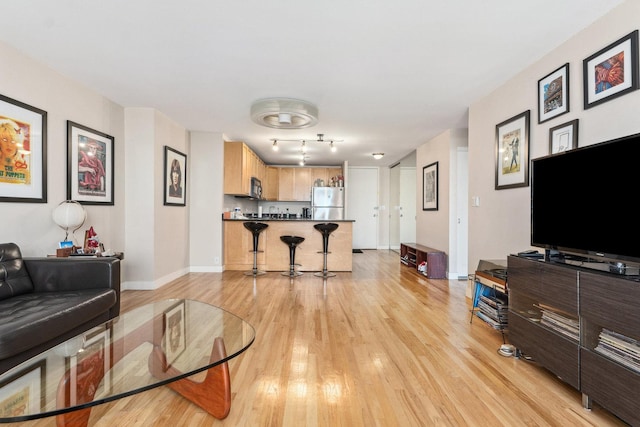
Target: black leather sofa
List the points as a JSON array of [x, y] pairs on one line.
[[45, 301]]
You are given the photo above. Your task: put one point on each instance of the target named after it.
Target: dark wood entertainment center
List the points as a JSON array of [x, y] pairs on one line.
[[592, 307]]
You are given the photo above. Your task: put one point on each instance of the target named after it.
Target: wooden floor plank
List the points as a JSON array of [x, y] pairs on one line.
[[381, 346]]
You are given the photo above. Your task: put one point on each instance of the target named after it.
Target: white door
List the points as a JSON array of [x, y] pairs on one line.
[[362, 203], [407, 204], [463, 213]]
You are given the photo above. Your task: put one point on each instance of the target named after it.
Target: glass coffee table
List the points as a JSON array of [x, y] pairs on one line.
[[161, 343]]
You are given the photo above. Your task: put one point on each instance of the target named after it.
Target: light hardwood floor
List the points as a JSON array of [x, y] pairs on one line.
[[382, 346]]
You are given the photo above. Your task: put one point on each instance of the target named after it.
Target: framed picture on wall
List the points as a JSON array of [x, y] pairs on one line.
[[612, 71], [563, 137], [512, 152], [89, 165], [430, 187], [553, 94], [175, 177], [23, 152]]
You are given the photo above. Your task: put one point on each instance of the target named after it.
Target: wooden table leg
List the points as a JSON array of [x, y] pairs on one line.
[[213, 394]]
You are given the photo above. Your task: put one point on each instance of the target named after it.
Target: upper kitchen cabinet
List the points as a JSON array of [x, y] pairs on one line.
[[294, 184], [270, 183], [324, 174], [240, 165]]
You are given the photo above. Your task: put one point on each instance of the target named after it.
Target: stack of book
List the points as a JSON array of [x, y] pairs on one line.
[[560, 322], [620, 348], [493, 310]]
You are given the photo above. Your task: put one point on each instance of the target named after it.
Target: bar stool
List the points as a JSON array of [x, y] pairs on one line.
[[255, 228], [292, 242], [326, 228]]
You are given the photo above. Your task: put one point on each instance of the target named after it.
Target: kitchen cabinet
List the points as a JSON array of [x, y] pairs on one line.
[[302, 184], [286, 184], [270, 183], [294, 184], [240, 164], [325, 174]]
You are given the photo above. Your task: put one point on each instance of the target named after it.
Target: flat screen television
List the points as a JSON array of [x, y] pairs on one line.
[[584, 201]]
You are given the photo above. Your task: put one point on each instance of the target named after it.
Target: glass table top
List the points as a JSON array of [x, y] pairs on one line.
[[146, 347]]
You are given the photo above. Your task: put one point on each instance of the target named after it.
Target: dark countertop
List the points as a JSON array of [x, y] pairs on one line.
[[289, 219]]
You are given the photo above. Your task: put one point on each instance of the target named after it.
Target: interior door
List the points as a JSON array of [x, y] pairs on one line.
[[407, 204], [362, 200]]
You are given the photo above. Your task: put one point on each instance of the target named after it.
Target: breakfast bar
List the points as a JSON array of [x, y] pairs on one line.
[[274, 254]]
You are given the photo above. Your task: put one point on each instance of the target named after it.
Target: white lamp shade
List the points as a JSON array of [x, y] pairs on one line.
[[69, 215]]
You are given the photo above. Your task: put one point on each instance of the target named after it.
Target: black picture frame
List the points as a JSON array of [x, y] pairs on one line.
[[512, 146], [553, 94], [175, 194], [430, 187], [23, 160], [563, 137], [612, 71], [90, 165]]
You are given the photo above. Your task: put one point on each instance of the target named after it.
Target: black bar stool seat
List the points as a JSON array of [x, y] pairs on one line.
[[326, 228], [255, 228], [292, 242]]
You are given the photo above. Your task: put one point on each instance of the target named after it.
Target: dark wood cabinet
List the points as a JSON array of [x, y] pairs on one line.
[[604, 305]]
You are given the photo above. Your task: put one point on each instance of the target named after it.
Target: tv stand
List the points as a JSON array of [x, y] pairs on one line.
[[595, 308]]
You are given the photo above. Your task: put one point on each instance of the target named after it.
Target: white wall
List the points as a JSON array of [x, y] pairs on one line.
[[206, 201], [154, 237], [29, 224], [432, 227], [500, 225]]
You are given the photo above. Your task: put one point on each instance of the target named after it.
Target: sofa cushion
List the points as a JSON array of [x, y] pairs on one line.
[[29, 320], [14, 278]]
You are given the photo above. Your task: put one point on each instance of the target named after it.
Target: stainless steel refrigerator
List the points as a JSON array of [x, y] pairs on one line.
[[327, 203]]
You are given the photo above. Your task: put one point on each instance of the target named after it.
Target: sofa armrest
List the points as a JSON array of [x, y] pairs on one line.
[[69, 274]]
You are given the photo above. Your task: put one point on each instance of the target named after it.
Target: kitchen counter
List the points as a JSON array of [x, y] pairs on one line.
[[274, 255], [266, 219]]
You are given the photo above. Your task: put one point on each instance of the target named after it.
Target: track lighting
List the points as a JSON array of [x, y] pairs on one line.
[[333, 147], [275, 145]]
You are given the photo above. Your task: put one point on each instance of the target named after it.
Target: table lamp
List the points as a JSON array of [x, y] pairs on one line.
[[69, 215]]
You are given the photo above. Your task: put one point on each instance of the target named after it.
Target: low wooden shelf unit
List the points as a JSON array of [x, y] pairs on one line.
[[413, 254]]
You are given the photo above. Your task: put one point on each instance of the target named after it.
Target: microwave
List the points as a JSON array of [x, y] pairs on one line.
[[256, 188]]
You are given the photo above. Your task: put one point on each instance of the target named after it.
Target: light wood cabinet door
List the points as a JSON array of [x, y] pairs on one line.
[[302, 185], [270, 184], [235, 169], [286, 184]]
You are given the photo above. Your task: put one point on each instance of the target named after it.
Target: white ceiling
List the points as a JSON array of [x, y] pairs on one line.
[[385, 76]]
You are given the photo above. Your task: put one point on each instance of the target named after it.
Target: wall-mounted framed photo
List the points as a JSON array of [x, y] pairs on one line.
[[24, 392], [612, 71], [89, 165], [563, 137], [23, 152], [174, 340], [430, 187], [175, 177], [553, 94], [512, 152]]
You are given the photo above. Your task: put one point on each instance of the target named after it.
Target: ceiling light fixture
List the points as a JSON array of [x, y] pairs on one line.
[[377, 156], [303, 148], [333, 147], [284, 113], [275, 145]]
